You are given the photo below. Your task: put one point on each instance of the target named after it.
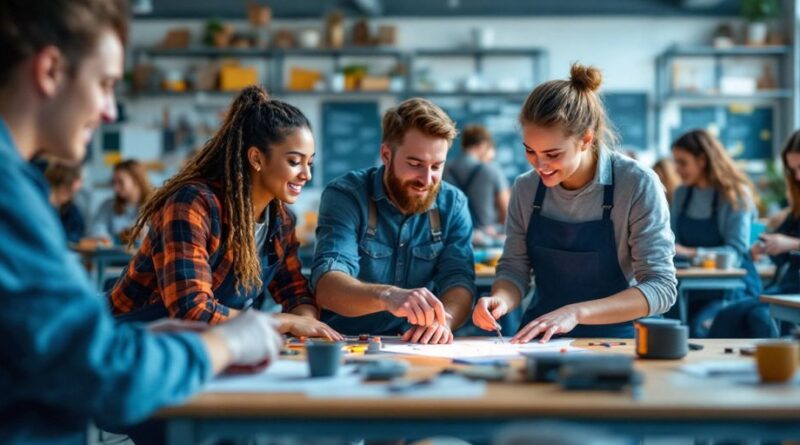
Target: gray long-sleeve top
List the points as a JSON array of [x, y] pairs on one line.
[[109, 224], [733, 224], [645, 243]]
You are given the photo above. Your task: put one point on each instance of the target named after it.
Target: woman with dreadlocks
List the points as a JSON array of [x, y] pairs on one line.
[[218, 234]]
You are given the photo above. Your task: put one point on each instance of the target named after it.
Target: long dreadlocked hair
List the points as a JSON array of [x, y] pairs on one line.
[[253, 120]]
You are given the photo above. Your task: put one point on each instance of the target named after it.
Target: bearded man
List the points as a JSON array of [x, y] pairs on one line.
[[394, 252]]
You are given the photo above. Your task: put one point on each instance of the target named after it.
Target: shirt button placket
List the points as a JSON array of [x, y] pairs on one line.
[[400, 266]]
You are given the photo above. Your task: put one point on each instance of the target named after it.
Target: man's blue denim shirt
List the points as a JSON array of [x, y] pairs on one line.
[[402, 253]]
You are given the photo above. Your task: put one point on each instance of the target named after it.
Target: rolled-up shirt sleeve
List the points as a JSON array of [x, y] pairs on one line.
[[514, 265], [652, 246], [337, 235]]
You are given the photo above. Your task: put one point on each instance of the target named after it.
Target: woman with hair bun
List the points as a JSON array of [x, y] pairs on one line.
[[590, 225]]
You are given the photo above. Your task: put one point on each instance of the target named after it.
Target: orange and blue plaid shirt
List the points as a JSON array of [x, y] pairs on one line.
[[184, 269]]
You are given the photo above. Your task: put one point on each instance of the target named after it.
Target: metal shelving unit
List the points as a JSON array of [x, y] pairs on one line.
[[781, 97], [538, 58], [199, 52], [278, 59]]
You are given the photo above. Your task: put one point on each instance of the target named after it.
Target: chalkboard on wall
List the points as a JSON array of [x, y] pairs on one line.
[[351, 137], [499, 116], [745, 131], [627, 113]]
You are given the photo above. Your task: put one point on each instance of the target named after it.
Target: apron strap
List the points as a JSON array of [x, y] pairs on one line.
[[471, 178], [539, 199], [608, 200], [465, 185], [372, 218], [435, 222], [372, 210], [714, 204], [608, 196], [687, 199]]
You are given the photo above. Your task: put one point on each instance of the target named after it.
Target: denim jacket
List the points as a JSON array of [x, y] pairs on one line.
[[64, 360], [403, 252]]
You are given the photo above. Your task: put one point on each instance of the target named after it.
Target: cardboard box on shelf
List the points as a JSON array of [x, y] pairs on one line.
[[176, 38], [207, 77], [234, 77], [302, 79], [375, 83]]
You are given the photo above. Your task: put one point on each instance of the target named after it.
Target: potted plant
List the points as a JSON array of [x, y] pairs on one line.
[[757, 12], [772, 188]]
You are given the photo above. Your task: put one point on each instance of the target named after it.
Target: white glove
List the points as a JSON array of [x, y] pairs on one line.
[[251, 336]]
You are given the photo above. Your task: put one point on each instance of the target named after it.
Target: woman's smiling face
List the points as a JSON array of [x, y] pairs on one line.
[[287, 169], [554, 155]]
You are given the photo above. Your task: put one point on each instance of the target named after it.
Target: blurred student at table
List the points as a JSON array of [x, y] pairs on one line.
[[783, 245], [65, 181], [751, 318], [486, 187], [117, 215], [711, 215]]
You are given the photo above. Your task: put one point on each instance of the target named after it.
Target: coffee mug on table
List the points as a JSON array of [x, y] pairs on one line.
[[324, 357], [725, 260], [777, 360]]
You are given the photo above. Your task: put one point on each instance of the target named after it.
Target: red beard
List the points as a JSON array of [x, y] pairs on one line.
[[400, 192]]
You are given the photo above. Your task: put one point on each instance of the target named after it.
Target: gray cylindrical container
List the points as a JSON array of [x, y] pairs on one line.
[[661, 338]]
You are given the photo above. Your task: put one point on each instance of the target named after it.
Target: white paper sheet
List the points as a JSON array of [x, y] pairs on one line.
[[743, 372], [287, 376], [442, 387], [477, 350], [281, 377], [719, 368]]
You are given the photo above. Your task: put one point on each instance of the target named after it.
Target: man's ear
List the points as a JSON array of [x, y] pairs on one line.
[[49, 70], [386, 154]]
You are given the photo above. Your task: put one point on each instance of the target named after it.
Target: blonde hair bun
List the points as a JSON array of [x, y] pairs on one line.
[[585, 78]]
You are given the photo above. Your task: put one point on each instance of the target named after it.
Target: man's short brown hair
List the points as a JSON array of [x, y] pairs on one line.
[[417, 113], [59, 174], [73, 26], [475, 135]]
